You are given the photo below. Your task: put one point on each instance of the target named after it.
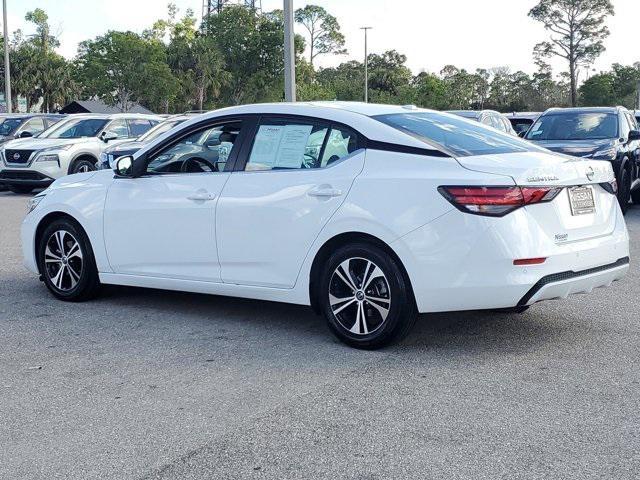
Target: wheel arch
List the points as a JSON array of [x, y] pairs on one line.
[[46, 221], [338, 241], [81, 156]]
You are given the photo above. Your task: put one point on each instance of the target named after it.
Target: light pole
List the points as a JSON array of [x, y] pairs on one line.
[[366, 65], [289, 54], [7, 71]]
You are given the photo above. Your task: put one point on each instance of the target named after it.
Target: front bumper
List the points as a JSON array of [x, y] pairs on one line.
[[30, 178]]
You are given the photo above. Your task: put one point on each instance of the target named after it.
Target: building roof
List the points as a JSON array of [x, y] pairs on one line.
[[98, 106]]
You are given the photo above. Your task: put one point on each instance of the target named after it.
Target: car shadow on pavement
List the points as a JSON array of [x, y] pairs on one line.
[[466, 332]]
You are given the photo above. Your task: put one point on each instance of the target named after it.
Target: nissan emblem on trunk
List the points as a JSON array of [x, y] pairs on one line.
[[590, 173]]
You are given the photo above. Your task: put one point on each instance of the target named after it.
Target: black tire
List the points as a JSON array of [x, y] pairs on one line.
[[624, 189], [83, 165], [520, 309], [21, 189], [635, 196], [376, 331], [86, 279]]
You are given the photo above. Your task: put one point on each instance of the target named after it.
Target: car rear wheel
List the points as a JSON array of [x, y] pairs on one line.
[[624, 189], [365, 297], [22, 189], [67, 263], [635, 196], [83, 166]]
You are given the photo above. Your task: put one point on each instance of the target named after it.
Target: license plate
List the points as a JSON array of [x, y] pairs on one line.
[[581, 200]]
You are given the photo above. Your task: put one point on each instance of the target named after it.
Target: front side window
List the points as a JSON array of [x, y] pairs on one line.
[[89, 127], [159, 129], [119, 128], [575, 126], [459, 137], [34, 125], [203, 151], [139, 126], [294, 145], [9, 126]]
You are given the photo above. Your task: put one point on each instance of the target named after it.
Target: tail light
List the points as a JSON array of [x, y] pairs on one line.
[[496, 201], [611, 187]]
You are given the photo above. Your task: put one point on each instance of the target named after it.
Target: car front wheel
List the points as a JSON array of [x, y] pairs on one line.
[[83, 166], [365, 297], [66, 261]]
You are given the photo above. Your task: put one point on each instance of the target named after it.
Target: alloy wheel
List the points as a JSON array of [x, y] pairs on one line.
[[359, 296], [63, 260]]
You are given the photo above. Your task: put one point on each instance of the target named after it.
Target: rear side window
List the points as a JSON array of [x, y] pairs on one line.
[[292, 145], [460, 137]]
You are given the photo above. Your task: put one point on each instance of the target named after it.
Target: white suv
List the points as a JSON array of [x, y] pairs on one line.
[[71, 146]]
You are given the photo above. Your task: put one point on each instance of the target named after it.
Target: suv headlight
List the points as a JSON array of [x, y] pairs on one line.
[[33, 202], [609, 153], [51, 154], [48, 157]]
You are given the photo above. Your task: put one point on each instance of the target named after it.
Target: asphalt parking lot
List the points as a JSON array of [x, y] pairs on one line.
[[144, 384]]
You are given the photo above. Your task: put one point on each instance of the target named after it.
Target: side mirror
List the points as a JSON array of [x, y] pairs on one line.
[[25, 134], [124, 166], [522, 133], [634, 135], [107, 135]]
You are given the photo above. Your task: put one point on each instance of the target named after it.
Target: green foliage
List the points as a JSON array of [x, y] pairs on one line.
[[323, 30], [577, 31], [236, 57]]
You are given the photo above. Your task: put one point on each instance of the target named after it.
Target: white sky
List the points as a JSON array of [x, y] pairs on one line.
[[432, 33]]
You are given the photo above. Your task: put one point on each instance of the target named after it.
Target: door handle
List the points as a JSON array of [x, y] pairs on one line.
[[324, 192], [202, 197]]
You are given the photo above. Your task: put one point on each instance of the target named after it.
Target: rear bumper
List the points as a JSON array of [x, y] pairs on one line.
[[466, 262], [561, 285]]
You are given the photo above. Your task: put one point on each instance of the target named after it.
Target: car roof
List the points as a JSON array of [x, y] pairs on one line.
[[558, 111], [111, 116], [32, 115], [524, 115], [356, 115]]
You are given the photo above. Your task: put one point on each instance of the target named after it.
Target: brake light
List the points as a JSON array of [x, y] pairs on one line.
[[496, 201], [611, 187]]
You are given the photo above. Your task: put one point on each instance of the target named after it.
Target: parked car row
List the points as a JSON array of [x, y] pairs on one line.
[[367, 213], [72, 145]]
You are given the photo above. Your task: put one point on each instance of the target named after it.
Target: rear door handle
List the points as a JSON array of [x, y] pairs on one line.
[[202, 196], [324, 192]]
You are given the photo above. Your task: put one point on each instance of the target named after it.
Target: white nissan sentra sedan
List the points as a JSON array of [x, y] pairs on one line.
[[368, 213]]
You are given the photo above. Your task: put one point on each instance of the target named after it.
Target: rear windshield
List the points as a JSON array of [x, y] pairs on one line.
[[575, 126], [460, 137]]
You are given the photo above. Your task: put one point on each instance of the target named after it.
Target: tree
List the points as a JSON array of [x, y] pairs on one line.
[[123, 68], [430, 91], [324, 31], [598, 91], [577, 32]]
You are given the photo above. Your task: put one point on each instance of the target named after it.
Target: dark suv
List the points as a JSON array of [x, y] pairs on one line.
[[597, 133]]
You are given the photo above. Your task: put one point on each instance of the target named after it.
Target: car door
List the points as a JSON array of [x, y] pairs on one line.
[[162, 224], [289, 181]]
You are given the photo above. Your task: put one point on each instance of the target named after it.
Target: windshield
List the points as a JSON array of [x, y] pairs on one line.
[[158, 130], [9, 126], [88, 127], [460, 137], [575, 126]]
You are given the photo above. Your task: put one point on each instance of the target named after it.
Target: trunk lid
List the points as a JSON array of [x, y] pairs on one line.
[[557, 218]]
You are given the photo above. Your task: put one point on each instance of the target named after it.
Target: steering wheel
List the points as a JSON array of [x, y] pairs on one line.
[[191, 164]]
